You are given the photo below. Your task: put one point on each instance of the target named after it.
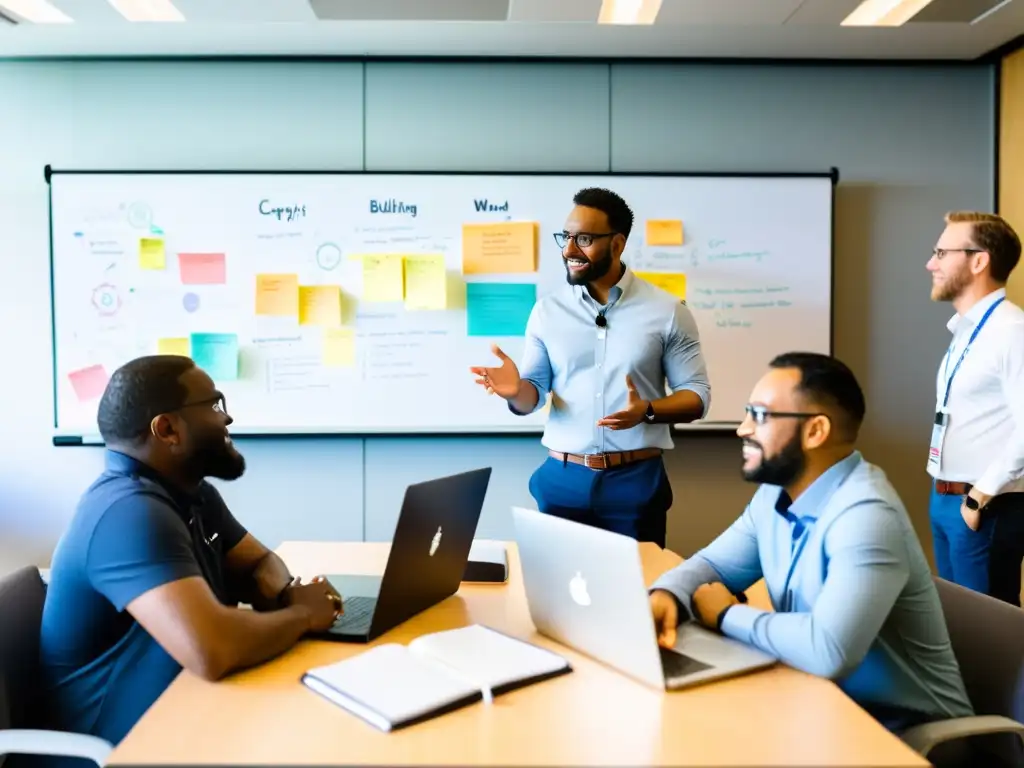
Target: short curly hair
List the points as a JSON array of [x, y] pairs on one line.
[[137, 392], [620, 216]]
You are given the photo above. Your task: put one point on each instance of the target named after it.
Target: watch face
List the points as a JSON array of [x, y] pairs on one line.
[[971, 502]]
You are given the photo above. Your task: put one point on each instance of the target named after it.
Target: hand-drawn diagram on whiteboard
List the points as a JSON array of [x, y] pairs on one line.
[[356, 303]]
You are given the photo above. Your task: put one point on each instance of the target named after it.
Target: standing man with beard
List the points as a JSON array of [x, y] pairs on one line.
[[604, 348], [147, 577], [853, 597], [976, 456]]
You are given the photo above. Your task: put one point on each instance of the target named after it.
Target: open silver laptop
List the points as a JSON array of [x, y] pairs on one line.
[[585, 589]]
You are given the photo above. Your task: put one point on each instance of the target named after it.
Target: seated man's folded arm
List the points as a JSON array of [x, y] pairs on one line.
[[257, 576], [140, 558]]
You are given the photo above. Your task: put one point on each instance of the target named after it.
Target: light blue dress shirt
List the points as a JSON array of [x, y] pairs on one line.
[[650, 335], [853, 595]]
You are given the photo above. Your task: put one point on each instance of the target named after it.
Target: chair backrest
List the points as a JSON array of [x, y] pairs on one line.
[[988, 640], [22, 594]]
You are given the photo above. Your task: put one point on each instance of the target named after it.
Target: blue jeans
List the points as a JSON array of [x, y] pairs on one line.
[[633, 499], [961, 555]]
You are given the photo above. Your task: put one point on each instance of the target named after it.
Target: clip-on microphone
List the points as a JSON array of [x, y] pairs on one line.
[[600, 321]]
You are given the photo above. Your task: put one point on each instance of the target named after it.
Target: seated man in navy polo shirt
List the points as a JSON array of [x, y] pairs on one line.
[[148, 577]]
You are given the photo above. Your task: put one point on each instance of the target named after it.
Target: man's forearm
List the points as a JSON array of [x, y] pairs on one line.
[[246, 638], [678, 408], [526, 399], [269, 579], [683, 580]]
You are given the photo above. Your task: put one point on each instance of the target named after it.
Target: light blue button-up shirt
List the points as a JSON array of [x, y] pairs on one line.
[[649, 335], [853, 595]]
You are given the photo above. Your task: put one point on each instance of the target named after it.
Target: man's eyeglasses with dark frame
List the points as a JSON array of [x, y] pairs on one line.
[[583, 239], [761, 414]]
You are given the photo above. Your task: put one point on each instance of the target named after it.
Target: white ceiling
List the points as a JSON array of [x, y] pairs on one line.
[[530, 28]]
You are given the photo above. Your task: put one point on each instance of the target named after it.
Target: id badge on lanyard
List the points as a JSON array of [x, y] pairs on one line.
[[938, 435], [942, 411]]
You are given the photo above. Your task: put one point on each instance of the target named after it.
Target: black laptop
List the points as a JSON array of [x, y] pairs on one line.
[[428, 557]]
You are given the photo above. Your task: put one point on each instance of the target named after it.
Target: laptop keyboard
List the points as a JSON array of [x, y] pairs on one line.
[[675, 665], [357, 616]]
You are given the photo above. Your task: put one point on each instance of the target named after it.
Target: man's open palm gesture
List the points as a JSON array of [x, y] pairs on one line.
[[502, 380]]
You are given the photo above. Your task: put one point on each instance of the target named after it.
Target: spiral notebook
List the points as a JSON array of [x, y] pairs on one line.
[[393, 686]]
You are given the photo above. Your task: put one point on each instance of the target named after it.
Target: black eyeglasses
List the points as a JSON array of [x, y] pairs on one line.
[[940, 253], [218, 403], [583, 239], [760, 414]]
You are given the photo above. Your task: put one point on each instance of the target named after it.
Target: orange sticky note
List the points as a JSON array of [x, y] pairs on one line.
[[664, 232], [506, 247], [673, 282], [277, 295], [319, 305]]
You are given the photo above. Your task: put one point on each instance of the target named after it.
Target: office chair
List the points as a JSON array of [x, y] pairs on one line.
[[22, 594], [988, 640]]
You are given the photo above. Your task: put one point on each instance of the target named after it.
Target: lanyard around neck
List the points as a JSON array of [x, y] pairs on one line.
[[974, 335]]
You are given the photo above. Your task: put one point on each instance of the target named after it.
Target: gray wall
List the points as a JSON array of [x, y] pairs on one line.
[[910, 143]]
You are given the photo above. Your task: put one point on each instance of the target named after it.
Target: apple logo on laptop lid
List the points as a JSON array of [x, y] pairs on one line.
[[578, 590]]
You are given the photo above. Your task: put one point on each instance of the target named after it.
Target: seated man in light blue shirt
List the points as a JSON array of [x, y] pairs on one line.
[[604, 347], [853, 595]]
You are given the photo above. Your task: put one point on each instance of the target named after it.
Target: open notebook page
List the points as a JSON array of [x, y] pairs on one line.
[[489, 658], [388, 686]]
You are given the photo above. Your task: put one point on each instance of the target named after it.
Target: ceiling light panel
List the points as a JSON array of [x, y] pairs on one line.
[[35, 11], [884, 13], [629, 11], [147, 10]]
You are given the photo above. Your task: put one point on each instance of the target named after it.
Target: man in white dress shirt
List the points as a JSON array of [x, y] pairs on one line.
[[976, 455]]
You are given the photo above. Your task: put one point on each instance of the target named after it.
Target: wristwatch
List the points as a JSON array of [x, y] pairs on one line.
[[649, 413], [971, 503]]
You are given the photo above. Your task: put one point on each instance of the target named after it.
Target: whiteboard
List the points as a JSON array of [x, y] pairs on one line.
[[199, 262]]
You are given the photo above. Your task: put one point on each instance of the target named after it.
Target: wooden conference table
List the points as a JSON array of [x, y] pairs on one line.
[[594, 716]]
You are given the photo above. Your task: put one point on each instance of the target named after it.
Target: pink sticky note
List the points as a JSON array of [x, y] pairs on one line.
[[89, 383], [202, 268]]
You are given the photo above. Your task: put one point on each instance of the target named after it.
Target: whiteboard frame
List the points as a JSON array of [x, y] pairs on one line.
[[75, 437]]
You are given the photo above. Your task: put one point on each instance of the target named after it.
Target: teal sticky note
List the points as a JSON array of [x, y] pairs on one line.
[[217, 354], [499, 309]]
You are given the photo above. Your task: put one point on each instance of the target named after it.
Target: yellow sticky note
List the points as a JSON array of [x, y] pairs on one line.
[[664, 232], [151, 253], [383, 277], [339, 349], [179, 347], [506, 247], [673, 282], [426, 282], [319, 305], [277, 295]]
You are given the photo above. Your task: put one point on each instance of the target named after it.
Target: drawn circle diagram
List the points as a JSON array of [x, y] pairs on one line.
[[106, 299], [139, 215], [328, 256], [190, 302]]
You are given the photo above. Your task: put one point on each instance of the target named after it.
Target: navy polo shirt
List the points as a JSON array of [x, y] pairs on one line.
[[131, 532]]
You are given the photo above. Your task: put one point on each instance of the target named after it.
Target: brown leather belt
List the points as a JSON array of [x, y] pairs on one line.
[[948, 488], [606, 460]]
